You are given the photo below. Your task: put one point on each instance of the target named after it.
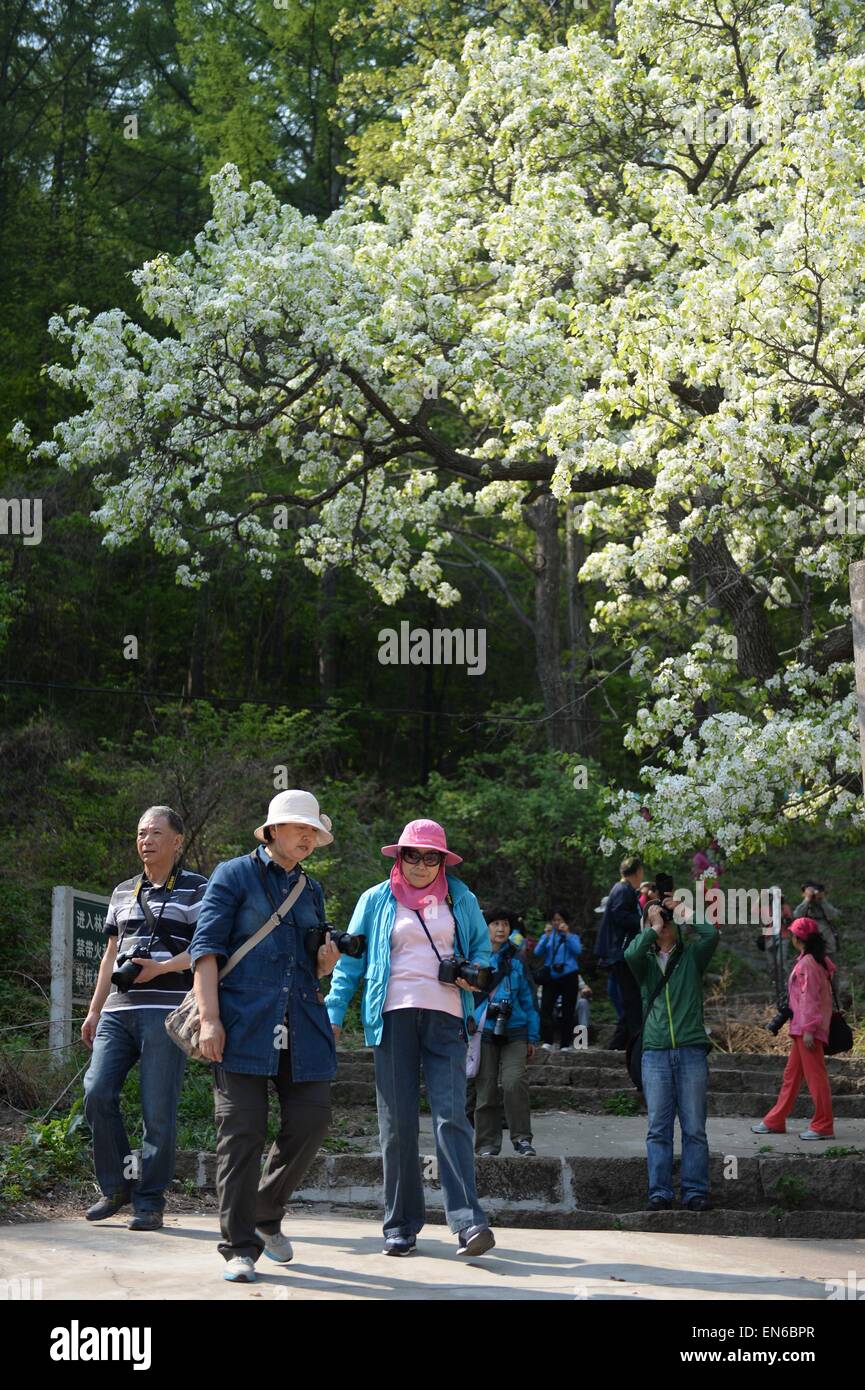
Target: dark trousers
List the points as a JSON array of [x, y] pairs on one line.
[[629, 991], [247, 1196], [508, 1060], [568, 987]]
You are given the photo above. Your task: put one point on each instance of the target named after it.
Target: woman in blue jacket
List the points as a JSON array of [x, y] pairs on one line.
[[414, 1014], [560, 950], [508, 1018]]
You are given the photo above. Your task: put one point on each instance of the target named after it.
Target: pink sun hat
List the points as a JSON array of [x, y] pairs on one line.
[[423, 834], [803, 927]]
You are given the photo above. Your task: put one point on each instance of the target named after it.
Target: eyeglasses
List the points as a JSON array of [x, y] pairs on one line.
[[413, 856]]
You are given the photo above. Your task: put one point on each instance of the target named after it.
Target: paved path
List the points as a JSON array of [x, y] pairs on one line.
[[624, 1136], [336, 1258]]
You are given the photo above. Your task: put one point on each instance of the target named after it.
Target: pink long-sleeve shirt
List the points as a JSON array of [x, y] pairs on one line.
[[809, 992]]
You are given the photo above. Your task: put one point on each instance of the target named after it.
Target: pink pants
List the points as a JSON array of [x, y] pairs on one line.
[[810, 1067]]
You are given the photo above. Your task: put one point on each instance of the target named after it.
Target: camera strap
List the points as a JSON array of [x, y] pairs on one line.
[[153, 922], [562, 941], [429, 938], [266, 928], [665, 979]]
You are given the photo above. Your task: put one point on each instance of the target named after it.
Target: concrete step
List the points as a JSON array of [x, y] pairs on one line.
[[787, 1195], [591, 1100], [358, 1065]]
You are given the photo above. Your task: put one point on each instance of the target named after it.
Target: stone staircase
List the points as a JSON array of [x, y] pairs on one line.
[[792, 1194], [744, 1084], [819, 1193]]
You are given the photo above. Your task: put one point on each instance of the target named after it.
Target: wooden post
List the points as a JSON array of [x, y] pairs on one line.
[[60, 1026], [857, 604]]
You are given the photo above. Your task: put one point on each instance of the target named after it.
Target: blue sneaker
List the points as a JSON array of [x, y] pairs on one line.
[[399, 1245], [475, 1240]]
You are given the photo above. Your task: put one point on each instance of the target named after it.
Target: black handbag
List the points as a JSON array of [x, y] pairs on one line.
[[840, 1032], [634, 1049]]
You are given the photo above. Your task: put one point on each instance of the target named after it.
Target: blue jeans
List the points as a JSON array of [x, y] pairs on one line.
[[676, 1079], [411, 1039], [123, 1038]]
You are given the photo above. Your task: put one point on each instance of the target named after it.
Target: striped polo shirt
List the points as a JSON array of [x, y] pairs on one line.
[[125, 919]]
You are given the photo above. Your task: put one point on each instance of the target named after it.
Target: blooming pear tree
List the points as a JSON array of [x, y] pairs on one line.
[[626, 272]]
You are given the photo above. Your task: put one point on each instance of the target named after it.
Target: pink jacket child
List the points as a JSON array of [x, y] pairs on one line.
[[809, 994]]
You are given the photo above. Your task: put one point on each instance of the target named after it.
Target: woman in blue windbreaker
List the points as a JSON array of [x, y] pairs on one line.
[[508, 1020], [414, 1013], [560, 950]]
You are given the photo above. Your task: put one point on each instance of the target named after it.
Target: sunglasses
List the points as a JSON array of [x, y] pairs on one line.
[[414, 856]]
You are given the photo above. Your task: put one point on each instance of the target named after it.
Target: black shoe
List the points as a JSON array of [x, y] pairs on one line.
[[145, 1221], [698, 1204], [525, 1149], [399, 1245], [107, 1206], [475, 1240], [660, 1204]]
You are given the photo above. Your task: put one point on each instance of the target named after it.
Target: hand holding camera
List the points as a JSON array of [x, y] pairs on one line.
[[324, 940], [661, 914], [454, 971]]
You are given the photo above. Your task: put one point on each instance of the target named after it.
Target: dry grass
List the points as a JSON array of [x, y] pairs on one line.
[[747, 1033]]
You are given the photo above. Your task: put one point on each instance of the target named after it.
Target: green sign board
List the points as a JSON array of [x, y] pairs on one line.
[[77, 944], [88, 944]]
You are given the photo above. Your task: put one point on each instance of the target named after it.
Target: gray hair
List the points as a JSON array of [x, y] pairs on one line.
[[174, 820]]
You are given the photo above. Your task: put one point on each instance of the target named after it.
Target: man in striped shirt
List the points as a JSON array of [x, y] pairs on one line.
[[150, 922]]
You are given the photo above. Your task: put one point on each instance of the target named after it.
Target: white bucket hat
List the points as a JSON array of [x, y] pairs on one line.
[[297, 808]]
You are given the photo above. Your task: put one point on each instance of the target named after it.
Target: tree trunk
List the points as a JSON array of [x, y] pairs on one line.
[[585, 727], [195, 673], [327, 646], [542, 516]]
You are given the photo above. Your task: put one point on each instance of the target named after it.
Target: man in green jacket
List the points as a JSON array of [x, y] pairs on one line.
[[675, 1069]]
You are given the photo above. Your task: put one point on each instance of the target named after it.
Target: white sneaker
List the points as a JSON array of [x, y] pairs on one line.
[[546, 1047], [276, 1246], [240, 1270]]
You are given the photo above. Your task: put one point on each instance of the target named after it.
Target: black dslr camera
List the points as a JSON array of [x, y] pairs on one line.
[[347, 944], [664, 886], [500, 1013], [453, 968], [125, 972], [784, 1014]]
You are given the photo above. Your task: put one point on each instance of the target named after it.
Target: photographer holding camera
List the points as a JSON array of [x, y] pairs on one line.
[[510, 1030], [674, 1067], [559, 949], [265, 1020], [619, 926], [817, 908], [427, 954], [143, 976]]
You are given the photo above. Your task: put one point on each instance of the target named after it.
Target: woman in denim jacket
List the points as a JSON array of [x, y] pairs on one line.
[[419, 918], [266, 1020]]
